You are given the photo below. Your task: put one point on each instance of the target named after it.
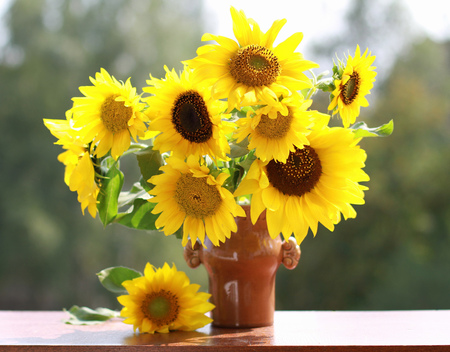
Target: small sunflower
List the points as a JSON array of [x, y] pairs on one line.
[[316, 184], [82, 180], [252, 71], [190, 121], [163, 300], [352, 85], [79, 173], [275, 131], [186, 194], [108, 114]]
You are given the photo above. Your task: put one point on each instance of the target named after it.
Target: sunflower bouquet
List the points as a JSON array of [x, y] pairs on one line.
[[234, 127]]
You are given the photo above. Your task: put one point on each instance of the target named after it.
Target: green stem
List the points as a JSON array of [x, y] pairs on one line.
[[134, 148]]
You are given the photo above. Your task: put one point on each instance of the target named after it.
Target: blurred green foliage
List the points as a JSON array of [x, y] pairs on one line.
[[49, 252], [393, 256]]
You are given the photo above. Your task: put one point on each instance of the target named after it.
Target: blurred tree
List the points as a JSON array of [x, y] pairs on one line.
[[49, 252], [415, 164], [384, 28]]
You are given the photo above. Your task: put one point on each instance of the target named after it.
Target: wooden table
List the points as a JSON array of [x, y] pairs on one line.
[[406, 331]]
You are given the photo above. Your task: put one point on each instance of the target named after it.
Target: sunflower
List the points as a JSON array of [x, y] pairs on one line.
[[108, 114], [354, 82], [186, 194], [82, 180], [162, 300], [316, 184], [79, 173], [275, 131], [252, 71], [190, 121]]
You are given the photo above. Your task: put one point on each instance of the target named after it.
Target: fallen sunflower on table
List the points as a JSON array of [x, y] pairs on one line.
[[163, 300]]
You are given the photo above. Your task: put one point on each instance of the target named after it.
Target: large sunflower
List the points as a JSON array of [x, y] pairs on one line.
[[252, 71], [190, 121], [162, 300], [316, 184], [186, 194], [354, 82], [275, 131], [79, 172], [108, 114]]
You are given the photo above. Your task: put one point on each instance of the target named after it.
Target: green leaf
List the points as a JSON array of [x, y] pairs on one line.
[[127, 198], [238, 150], [109, 194], [145, 185], [149, 162], [112, 278], [88, 316], [323, 74], [360, 129], [140, 216], [179, 233], [243, 111], [326, 85], [247, 162], [239, 172]]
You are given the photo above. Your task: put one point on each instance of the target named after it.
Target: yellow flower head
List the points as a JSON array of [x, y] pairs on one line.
[[82, 180], [186, 194], [316, 184], [352, 87], [275, 131], [252, 71], [162, 300], [190, 121], [108, 114], [79, 172]]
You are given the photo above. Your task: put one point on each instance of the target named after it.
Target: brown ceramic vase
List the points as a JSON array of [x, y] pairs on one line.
[[242, 273]]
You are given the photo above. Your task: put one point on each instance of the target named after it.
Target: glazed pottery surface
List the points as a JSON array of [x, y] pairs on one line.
[[242, 273]]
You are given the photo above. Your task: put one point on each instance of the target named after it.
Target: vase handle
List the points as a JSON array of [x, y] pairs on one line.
[[290, 253], [193, 254]]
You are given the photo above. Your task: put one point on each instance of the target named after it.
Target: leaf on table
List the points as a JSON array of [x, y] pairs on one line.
[[88, 316]]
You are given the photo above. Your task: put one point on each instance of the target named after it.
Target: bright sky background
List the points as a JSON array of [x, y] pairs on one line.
[[431, 16], [427, 17]]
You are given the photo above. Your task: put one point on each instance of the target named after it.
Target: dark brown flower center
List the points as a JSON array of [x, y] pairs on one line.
[[196, 197], [274, 128], [115, 115], [351, 88], [190, 117], [298, 175], [161, 308], [255, 66]]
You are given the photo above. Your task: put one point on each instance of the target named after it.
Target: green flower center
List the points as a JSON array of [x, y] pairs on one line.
[[161, 307], [274, 128], [196, 197], [255, 66], [350, 89], [298, 175], [115, 115], [190, 117]]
